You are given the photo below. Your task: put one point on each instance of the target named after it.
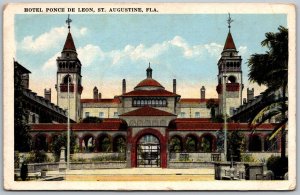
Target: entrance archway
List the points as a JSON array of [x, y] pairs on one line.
[[149, 149]]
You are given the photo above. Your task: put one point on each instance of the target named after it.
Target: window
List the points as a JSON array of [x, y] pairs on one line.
[[115, 114], [101, 114], [87, 114], [197, 114], [182, 114], [154, 102]]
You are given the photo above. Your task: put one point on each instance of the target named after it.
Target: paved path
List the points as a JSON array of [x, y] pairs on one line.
[[140, 174]]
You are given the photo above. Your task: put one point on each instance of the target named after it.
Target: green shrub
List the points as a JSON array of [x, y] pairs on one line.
[[278, 165], [248, 158], [37, 156], [24, 171]]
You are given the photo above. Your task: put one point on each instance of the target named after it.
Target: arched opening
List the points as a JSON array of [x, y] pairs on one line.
[[65, 80], [191, 143], [88, 143], [232, 79], [104, 143], [207, 143], [148, 151], [270, 145], [255, 143], [41, 142], [119, 144], [175, 144]]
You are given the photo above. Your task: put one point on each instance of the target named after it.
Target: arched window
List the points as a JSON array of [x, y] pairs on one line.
[[175, 144], [207, 143], [104, 143], [119, 144], [191, 143], [65, 80], [232, 79]]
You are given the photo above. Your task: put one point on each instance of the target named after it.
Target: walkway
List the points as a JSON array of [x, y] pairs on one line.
[[139, 174]]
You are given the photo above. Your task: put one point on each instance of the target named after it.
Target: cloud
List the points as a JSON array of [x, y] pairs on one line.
[[89, 54], [49, 39], [176, 47], [51, 62]]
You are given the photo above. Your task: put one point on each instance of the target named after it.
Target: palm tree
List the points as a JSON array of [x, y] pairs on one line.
[[212, 104], [271, 69]]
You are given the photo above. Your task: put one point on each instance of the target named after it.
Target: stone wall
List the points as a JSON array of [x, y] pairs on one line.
[[190, 165], [37, 167]]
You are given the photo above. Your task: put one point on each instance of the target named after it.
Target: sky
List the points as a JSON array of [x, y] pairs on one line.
[[113, 47]]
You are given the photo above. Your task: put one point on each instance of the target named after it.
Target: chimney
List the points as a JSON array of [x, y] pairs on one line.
[[250, 94], [244, 100], [123, 86], [202, 92], [95, 91], [174, 85], [99, 96], [47, 94]]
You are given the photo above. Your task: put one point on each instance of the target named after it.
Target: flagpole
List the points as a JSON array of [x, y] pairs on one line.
[[68, 136]]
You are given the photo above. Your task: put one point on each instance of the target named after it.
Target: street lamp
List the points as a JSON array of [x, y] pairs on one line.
[[225, 117], [68, 133]]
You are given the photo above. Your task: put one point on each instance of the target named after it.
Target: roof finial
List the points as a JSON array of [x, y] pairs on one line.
[[229, 21], [149, 65], [68, 21]]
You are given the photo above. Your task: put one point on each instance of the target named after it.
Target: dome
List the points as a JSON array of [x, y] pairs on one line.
[[149, 82]]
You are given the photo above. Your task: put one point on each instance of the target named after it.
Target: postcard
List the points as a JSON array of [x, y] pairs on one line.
[[149, 96]]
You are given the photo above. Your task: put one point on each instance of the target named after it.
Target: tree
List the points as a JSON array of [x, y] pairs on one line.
[[220, 141], [235, 142], [92, 119], [212, 104], [271, 69], [21, 128], [62, 141]]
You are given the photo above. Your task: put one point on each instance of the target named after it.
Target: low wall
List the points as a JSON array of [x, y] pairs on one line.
[[193, 157], [94, 155], [189, 165], [261, 156], [37, 167]]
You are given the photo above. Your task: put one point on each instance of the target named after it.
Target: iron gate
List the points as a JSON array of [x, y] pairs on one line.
[[148, 155]]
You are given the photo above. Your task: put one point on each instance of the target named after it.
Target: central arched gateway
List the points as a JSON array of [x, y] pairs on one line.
[[149, 149]]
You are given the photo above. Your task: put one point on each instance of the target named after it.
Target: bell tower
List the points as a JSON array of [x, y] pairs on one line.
[[230, 74], [69, 73]]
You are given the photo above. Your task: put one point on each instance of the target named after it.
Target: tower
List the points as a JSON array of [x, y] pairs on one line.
[[69, 69], [230, 72]]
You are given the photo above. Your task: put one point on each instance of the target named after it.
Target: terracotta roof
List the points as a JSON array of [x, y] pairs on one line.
[[149, 82], [196, 100], [229, 44], [147, 111], [160, 92], [69, 44], [109, 125], [200, 125], [112, 101], [190, 120]]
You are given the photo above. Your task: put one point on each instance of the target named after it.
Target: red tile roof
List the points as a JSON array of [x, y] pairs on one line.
[[229, 44], [112, 101], [196, 100], [107, 124], [160, 92], [69, 44], [200, 125], [147, 111], [149, 82]]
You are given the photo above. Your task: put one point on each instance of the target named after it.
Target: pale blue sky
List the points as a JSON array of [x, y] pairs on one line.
[[113, 47]]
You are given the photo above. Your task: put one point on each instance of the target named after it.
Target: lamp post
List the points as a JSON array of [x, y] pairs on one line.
[[68, 133], [225, 117]]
